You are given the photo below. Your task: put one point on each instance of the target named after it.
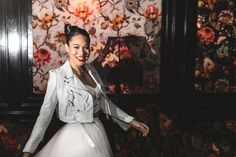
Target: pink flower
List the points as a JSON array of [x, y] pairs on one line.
[[111, 60], [206, 35], [42, 55]]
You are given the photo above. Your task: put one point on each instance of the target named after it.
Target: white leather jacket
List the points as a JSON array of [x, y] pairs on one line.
[[66, 93]]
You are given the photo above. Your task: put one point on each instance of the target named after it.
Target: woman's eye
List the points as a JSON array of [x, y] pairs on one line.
[[86, 48]]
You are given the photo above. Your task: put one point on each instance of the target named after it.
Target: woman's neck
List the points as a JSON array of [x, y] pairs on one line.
[[77, 69]]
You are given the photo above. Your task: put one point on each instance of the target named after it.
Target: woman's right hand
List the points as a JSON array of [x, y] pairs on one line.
[[26, 154]]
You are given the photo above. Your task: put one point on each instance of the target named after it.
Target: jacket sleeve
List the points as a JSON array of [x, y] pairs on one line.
[[108, 107], [45, 115], [118, 116]]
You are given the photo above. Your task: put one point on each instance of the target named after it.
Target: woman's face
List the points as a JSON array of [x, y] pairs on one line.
[[78, 50]]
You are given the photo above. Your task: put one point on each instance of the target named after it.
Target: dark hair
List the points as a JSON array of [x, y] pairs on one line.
[[71, 31]]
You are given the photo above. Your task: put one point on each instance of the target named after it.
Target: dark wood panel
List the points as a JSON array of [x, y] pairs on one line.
[[185, 45], [14, 51], [26, 47], [167, 42], [190, 46], [3, 38]]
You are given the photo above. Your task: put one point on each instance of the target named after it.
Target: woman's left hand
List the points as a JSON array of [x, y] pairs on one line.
[[143, 128]]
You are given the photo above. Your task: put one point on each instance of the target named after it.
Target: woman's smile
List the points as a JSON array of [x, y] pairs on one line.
[[81, 58], [78, 50]]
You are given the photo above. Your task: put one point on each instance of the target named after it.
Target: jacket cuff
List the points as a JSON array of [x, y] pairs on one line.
[[124, 124], [128, 119], [28, 149]]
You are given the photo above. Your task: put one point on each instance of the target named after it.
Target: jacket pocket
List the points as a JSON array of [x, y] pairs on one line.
[[78, 100], [72, 106]]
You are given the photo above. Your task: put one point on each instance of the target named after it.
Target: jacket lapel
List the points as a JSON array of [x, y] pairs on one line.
[[70, 78], [95, 77]]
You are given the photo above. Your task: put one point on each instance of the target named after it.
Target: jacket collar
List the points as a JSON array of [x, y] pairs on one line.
[[93, 73], [68, 74], [67, 71]]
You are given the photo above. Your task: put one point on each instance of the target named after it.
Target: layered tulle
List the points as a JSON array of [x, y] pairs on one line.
[[78, 140]]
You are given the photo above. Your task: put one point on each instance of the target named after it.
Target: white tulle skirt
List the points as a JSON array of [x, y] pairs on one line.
[[71, 141]]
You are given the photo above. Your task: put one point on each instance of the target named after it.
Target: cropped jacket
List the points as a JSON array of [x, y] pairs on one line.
[[70, 98]]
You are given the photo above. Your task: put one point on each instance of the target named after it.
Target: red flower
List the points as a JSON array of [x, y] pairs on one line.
[[206, 35], [152, 13], [125, 52], [11, 141], [83, 11], [42, 55], [231, 125]]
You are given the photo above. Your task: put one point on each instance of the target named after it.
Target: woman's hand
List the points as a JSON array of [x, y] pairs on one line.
[[143, 128], [26, 154]]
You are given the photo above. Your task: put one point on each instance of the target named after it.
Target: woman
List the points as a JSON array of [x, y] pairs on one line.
[[76, 91]]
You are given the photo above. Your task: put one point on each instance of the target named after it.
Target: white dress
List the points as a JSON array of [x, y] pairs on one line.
[[80, 139]]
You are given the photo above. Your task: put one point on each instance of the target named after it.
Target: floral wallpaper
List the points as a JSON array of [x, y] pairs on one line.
[[216, 55], [103, 19], [13, 136], [167, 138]]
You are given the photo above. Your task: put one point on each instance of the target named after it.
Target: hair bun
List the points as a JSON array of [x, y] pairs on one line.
[[67, 28]]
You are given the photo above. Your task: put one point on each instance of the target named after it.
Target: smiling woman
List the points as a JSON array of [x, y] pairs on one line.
[[41, 22], [77, 46], [76, 91], [102, 19]]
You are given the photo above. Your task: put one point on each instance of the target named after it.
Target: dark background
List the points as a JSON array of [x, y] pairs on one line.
[[17, 101]]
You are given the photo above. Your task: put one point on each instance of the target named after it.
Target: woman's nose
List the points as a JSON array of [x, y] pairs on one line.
[[80, 51]]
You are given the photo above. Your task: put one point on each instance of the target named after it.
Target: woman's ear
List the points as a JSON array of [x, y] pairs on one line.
[[67, 48]]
